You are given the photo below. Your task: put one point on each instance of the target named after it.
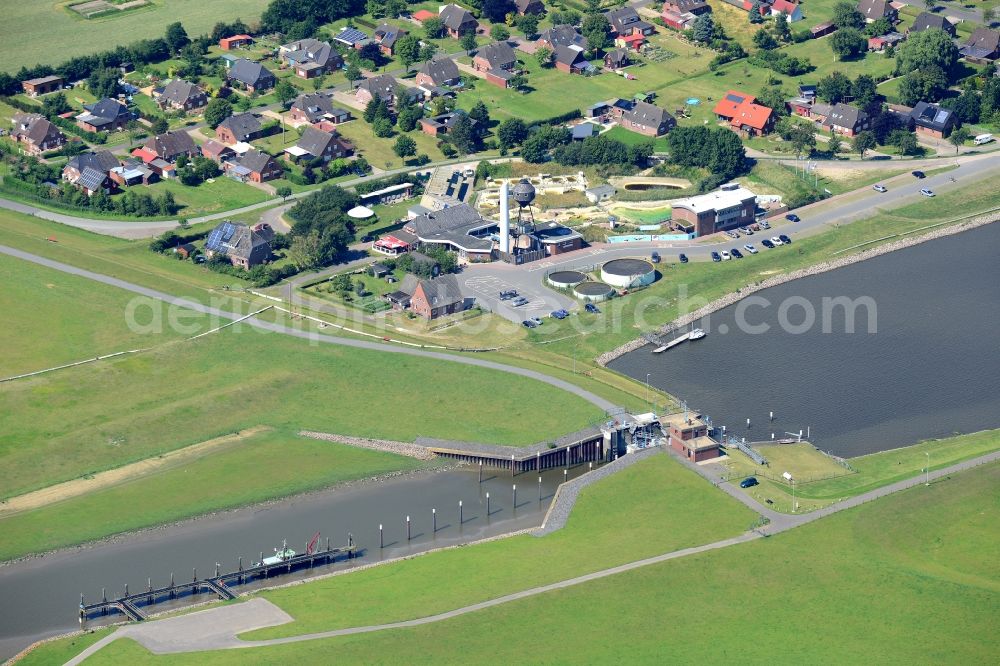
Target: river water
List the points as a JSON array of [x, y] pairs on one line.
[[40, 596], [930, 369]]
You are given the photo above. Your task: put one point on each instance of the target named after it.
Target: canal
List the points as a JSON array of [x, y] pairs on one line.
[[930, 369], [40, 596]]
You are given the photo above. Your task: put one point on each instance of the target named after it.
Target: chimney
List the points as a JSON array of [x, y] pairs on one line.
[[504, 218]]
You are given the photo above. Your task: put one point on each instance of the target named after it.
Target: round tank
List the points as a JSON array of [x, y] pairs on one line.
[[523, 193], [593, 291], [628, 273], [565, 279]]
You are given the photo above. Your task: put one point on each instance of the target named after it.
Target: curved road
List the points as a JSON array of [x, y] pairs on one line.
[[218, 628]]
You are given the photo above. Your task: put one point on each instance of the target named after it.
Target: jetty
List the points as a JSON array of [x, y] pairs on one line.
[[673, 343]]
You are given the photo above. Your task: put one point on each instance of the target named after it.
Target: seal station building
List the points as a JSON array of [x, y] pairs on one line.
[[730, 207]]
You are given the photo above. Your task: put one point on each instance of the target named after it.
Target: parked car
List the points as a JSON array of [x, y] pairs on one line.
[[508, 294], [777, 241], [736, 253], [918, 174], [560, 314], [927, 193], [716, 257], [785, 239], [768, 244], [683, 258], [792, 217], [880, 188], [749, 482], [590, 307], [655, 257], [519, 301], [732, 234], [726, 256], [750, 248], [527, 323], [747, 231], [764, 224]]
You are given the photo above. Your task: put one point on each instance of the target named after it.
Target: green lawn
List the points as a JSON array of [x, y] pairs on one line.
[[30, 29], [220, 195], [378, 151], [907, 579], [242, 473], [631, 138]]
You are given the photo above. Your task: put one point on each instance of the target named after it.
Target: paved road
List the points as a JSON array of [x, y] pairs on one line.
[[217, 629], [592, 398]]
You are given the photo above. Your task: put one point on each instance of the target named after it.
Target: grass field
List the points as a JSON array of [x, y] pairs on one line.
[[906, 579], [30, 29], [242, 473]]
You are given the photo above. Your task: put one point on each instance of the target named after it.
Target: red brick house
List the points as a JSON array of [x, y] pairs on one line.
[[254, 166], [529, 7], [438, 72], [217, 152], [847, 120], [458, 21], [36, 134], [181, 95], [436, 297], [168, 147], [106, 115], [385, 86], [570, 60], [647, 119], [498, 55], [386, 37], [727, 208], [42, 85], [688, 435], [239, 127], [90, 172], [744, 115], [318, 107]]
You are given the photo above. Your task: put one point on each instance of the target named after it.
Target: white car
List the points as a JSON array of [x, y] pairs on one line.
[[750, 248], [776, 241], [927, 193], [880, 188], [725, 255]]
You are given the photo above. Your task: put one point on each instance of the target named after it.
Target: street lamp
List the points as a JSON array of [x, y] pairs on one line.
[[791, 480], [927, 470], [647, 385]]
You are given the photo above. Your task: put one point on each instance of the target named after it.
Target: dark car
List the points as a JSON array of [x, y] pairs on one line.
[[736, 253], [655, 257], [683, 258], [520, 300], [749, 482], [792, 217], [527, 323], [508, 294], [918, 174], [560, 314], [767, 243], [716, 257], [784, 238], [590, 307]]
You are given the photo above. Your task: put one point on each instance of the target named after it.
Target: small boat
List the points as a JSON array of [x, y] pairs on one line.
[[696, 334], [282, 555]]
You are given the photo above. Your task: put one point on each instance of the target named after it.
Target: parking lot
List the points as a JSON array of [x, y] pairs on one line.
[[486, 288]]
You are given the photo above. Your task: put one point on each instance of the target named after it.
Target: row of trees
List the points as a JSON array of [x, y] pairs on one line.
[[716, 149], [321, 229]]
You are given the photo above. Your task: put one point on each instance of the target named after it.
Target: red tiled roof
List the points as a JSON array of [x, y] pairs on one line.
[[391, 242], [787, 6], [730, 102], [423, 15], [751, 115], [144, 154]]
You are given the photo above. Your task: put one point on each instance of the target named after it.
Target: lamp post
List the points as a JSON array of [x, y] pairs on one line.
[[927, 470], [647, 385]]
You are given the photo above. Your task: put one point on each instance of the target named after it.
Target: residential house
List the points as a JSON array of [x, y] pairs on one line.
[[254, 166], [309, 58], [106, 115], [501, 78], [435, 298], [36, 134], [317, 107], [790, 8], [744, 115], [42, 85], [441, 124], [132, 172], [882, 42], [217, 152], [252, 76], [929, 21], [315, 143], [244, 246], [352, 38], [982, 46], [181, 95], [438, 72], [239, 127], [498, 55], [625, 21], [235, 42], [170, 145], [847, 120], [529, 7], [386, 37], [457, 21], [386, 87], [932, 120], [873, 10], [647, 119], [571, 60], [616, 59], [696, 7], [561, 35], [90, 172]]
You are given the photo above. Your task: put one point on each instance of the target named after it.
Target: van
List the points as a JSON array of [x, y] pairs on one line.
[[982, 138]]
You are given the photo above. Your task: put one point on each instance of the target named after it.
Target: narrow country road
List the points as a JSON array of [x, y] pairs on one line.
[[592, 398], [218, 628]]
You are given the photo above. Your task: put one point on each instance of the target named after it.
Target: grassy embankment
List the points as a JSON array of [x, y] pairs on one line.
[[905, 579]]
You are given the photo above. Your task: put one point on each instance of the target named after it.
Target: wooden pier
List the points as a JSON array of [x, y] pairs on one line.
[[131, 605]]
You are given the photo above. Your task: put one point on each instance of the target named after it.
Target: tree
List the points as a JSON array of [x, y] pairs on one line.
[[846, 15], [527, 24], [847, 43], [864, 142], [382, 128], [481, 115], [534, 149], [703, 29], [468, 41], [218, 109], [968, 106], [159, 125], [375, 109], [544, 56], [176, 37], [834, 87], [773, 98], [428, 51], [353, 72], [304, 252], [511, 132], [754, 14], [285, 92], [409, 117], [834, 145], [781, 28], [404, 146], [958, 137], [904, 141], [408, 50], [463, 136], [878, 27], [597, 30], [930, 4], [318, 82], [763, 39], [496, 10], [433, 27], [499, 32], [927, 48], [989, 15], [284, 192], [865, 92], [803, 138], [244, 103], [926, 85], [103, 83]]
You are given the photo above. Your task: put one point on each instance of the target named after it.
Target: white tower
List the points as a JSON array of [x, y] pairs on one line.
[[504, 219]]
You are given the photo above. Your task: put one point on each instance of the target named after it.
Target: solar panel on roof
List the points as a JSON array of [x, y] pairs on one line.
[[227, 232], [734, 98], [352, 35], [941, 116]]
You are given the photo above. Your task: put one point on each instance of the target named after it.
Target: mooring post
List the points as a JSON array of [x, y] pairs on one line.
[[328, 544], [381, 536], [434, 519], [461, 514], [126, 589], [487, 505], [104, 594], [748, 424], [565, 475], [350, 545], [194, 575], [590, 467], [772, 416], [539, 488], [407, 528], [538, 461], [515, 496], [217, 569], [480, 471], [512, 465], [149, 589]]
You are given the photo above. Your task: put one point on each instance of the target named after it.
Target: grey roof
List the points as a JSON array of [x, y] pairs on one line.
[[311, 51], [315, 141], [102, 161], [180, 92], [649, 115], [569, 56], [583, 130], [447, 119], [454, 17], [932, 116], [171, 144], [40, 131], [383, 85], [242, 125], [441, 70], [442, 291], [563, 35], [254, 160], [108, 109], [318, 105], [452, 225], [601, 190], [982, 41], [616, 56], [498, 54], [622, 17], [927, 21], [92, 179], [845, 115], [239, 240], [821, 109], [250, 73], [388, 34], [875, 9]]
